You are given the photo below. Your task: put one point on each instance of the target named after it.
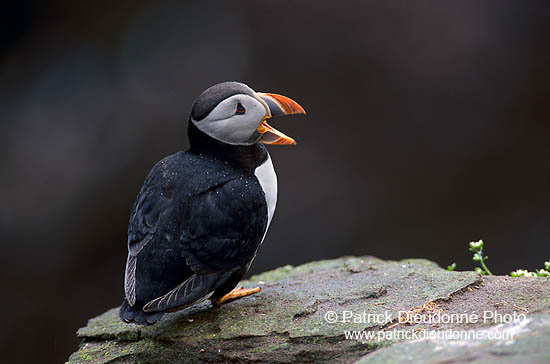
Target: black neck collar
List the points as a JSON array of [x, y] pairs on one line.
[[247, 157]]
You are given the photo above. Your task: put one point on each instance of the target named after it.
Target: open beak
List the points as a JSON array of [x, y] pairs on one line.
[[276, 105]]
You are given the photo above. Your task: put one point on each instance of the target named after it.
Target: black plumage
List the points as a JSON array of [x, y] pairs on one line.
[[202, 214], [195, 227]]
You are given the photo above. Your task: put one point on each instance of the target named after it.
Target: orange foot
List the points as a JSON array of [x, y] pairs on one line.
[[235, 295]]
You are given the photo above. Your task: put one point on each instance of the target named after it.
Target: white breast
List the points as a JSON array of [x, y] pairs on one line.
[[268, 180]]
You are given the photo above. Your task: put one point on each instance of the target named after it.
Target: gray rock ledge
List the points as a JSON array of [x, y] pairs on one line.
[[286, 322]]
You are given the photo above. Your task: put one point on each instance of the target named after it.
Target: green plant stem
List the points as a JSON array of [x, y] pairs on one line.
[[485, 267]]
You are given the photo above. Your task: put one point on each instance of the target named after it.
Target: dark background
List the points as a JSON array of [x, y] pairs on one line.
[[427, 127]]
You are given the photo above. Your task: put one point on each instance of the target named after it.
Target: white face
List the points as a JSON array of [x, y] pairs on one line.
[[228, 123]]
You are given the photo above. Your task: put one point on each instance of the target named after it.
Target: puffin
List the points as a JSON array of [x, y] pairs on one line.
[[202, 214]]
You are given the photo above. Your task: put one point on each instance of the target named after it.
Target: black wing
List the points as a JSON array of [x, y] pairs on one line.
[[151, 233], [183, 246], [222, 230], [224, 226]]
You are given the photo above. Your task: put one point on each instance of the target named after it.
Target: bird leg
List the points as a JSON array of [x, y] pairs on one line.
[[235, 295]]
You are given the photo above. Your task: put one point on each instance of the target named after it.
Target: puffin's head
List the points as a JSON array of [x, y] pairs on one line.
[[233, 113]]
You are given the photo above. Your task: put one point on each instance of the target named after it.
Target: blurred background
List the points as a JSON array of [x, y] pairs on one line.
[[427, 127]]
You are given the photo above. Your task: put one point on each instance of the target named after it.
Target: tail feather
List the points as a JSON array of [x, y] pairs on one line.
[[133, 315]]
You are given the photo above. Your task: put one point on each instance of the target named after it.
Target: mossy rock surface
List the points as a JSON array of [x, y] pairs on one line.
[[285, 322]]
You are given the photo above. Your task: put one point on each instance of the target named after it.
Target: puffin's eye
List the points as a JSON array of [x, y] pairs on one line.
[[240, 109]]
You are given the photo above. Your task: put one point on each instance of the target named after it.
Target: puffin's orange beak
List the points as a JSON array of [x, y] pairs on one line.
[[277, 105]]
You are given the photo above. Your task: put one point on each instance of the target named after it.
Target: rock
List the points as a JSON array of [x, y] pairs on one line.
[[291, 319], [522, 342]]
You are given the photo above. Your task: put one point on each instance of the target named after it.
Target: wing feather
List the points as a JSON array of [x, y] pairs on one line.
[[200, 231]]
